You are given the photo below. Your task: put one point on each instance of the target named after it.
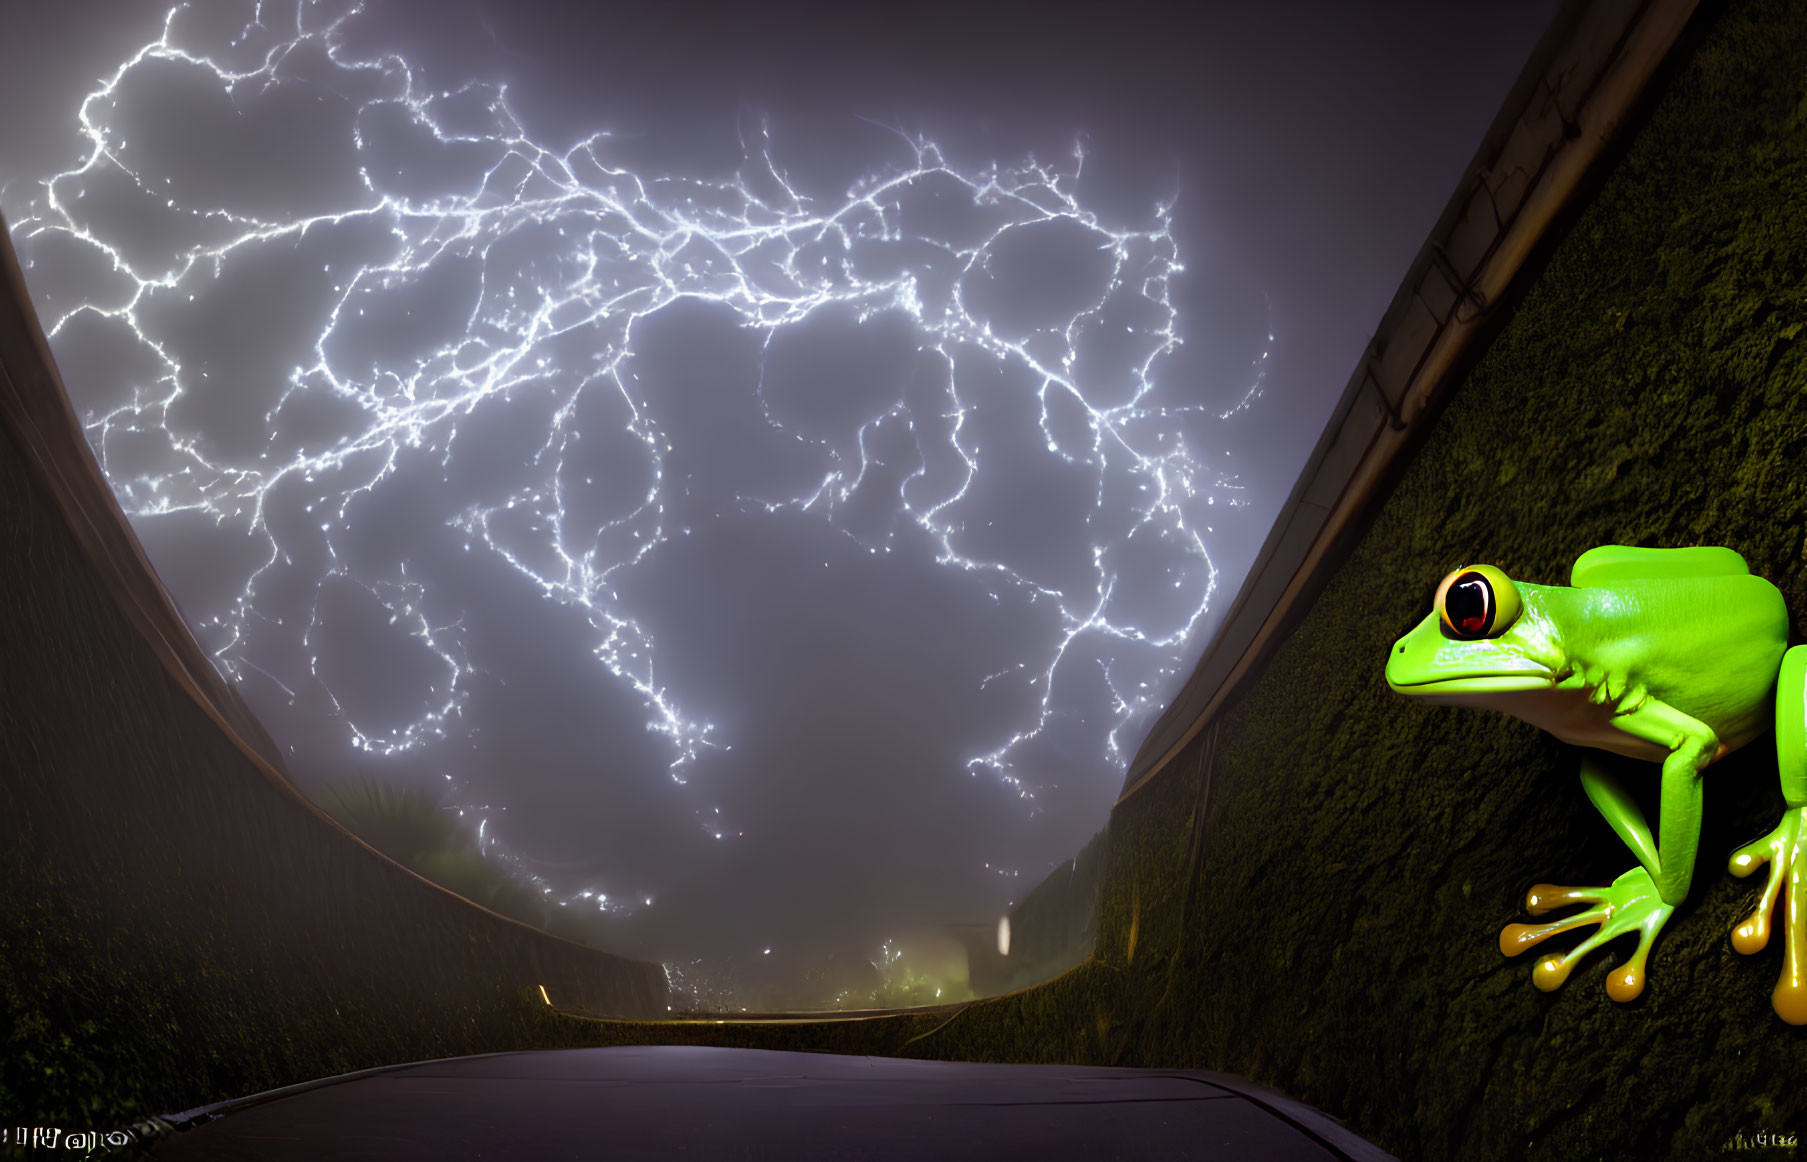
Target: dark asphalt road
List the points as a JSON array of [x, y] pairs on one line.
[[671, 1101]]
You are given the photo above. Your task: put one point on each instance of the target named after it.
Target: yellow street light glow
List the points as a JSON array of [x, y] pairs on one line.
[[543, 995]]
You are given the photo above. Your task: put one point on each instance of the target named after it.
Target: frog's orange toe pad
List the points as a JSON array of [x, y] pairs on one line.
[[1625, 983], [1545, 898], [1752, 935], [1791, 1001], [1551, 971], [1515, 938]]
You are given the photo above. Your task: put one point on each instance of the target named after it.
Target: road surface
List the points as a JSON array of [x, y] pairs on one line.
[[702, 1102]]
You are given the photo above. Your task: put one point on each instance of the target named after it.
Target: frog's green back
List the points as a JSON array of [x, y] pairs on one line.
[[1708, 645], [1610, 564]]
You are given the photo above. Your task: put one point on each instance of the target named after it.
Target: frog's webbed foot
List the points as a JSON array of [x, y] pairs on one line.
[[1631, 904], [1785, 850]]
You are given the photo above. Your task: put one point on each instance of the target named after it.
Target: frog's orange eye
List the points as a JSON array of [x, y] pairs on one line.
[[1477, 602]]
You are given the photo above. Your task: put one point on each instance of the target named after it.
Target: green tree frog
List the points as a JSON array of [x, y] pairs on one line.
[[1668, 655]]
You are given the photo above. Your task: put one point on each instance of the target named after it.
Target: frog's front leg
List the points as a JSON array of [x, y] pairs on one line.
[[1643, 899], [1785, 848]]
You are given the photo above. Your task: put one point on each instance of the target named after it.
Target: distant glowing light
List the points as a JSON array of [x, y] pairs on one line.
[[1004, 936]]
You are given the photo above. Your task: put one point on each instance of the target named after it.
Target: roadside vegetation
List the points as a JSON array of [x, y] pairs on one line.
[[409, 826]]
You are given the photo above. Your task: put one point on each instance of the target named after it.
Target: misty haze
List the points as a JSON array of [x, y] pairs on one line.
[[734, 490]]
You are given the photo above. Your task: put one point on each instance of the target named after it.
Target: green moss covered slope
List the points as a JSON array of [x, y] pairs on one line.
[[1361, 853]]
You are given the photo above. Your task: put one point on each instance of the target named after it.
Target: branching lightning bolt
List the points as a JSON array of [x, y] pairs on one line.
[[562, 254]]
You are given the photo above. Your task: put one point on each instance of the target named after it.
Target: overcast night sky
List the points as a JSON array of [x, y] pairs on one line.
[[774, 461]]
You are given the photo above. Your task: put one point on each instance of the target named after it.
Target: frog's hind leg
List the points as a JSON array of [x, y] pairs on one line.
[[1785, 848], [1633, 904], [1616, 806]]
